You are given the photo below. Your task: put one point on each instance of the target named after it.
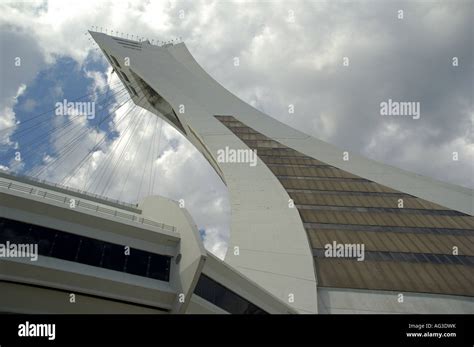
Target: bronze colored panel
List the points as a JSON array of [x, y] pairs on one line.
[[415, 221], [402, 244], [415, 282], [436, 243], [468, 275], [384, 275], [376, 274], [461, 285], [422, 242], [377, 218], [416, 243], [429, 280], [383, 242], [455, 222], [469, 221], [394, 219], [444, 278], [358, 218], [398, 276]]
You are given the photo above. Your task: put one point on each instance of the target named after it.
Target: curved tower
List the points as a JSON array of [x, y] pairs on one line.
[[322, 229]]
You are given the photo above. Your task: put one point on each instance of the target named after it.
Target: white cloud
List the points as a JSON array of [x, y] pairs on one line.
[[215, 242], [8, 120]]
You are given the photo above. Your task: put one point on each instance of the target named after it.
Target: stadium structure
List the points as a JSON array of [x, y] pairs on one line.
[[302, 198]]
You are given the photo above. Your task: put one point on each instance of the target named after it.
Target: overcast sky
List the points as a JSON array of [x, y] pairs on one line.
[[289, 52]]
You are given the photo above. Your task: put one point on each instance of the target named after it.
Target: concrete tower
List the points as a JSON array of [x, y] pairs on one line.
[[304, 194]]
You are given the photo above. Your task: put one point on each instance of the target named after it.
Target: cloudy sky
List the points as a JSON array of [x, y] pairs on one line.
[[289, 52]]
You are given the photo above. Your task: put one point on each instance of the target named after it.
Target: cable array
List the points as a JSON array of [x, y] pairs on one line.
[[119, 159]]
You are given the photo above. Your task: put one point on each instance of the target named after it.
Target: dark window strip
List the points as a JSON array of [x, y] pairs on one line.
[[345, 192], [153, 98], [135, 43], [363, 182], [279, 155], [261, 148], [125, 76], [222, 297], [251, 136], [85, 250], [130, 47], [127, 45], [320, 178], [224, 116], [234, 123], [245, 130], [316, 166], [418, 230], [432, 258], [131, 44], [380, 209], [115, 61]]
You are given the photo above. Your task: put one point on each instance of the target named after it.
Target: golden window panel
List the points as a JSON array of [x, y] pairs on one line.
[[427, 233], [394, 242], [384, 275], [384, 219]]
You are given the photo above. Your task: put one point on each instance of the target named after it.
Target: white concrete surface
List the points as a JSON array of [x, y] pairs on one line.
[[190, 250]]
